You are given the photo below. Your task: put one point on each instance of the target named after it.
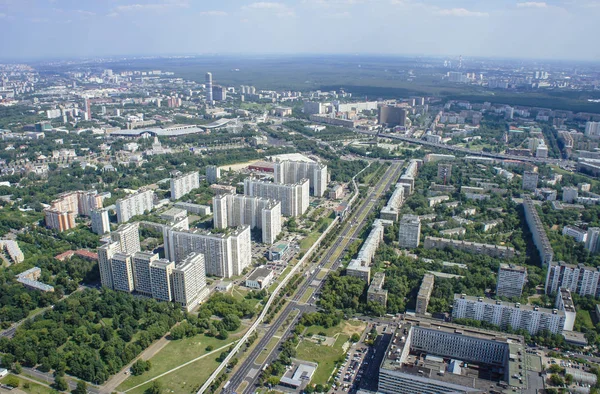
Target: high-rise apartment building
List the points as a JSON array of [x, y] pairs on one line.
[[161, 278], [592, 129], [128, 237], [564, 302], [409, 232], [570, 194], [289, 172], [182, 184], [189, 282], [66, 207], [376, 292], [213, 173], [219, 93], [580, 279], [530, 180], [391, 116], [294, 197], [208, 82], [592, 242], [233, 210], [100, 221], [59, 220], [122, 272], [503, 314], [105, 255], [444, 172], [141, 272], [424, 294], [538, 233], [225, 255], [135, 204], [511, 279]]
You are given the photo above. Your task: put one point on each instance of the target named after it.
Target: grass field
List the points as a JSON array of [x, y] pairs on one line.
[[326, 356], [177, 353], [269, 348], [584, 319], [33, 388], [306, 296]]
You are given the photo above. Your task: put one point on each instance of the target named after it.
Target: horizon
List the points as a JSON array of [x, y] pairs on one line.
[[505, 29]]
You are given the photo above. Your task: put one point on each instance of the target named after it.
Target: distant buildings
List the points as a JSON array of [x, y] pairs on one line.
[[503, 314], [232, 210], [208, 86], [592, 129], [196, 209], [391, 116], [376, 292], [444, 172], [424, 294], [182, 184], [570, 194], [530, 180], [409, 232], [289, 172], [63, 210], [135, 204], [294, 197], [213, 174], [219, 93], [475, 247], [511, 280], [13, 250]]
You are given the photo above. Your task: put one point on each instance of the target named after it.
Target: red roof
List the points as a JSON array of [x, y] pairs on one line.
[[65, 255], [86, 254]]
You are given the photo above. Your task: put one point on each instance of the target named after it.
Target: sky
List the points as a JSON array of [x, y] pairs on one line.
[[552, 29]]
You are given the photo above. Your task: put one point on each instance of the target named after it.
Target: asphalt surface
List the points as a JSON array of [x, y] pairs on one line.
[[346, 236]]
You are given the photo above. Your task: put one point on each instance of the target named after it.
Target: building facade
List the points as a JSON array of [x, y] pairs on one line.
[[136, 204], [290, 172], [294, 198], [100, 221], [511, 280], [182, 184], [409, 231]]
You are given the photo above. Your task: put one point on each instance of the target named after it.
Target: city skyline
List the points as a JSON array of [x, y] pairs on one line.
[[511, 29]]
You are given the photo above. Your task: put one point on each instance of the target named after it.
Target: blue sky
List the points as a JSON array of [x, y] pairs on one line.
[[565, 29]]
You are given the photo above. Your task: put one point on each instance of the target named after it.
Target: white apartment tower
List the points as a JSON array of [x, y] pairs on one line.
[[294, 198], [530, 180], [409, 232], [141, 272], [136, 204], [100, 221], [592, 129], [182, 184], [511, 279], [233, 210], [189, 282], [287, 172], [105, 255], [128, 237], [213, 173], [160, 276], [122, 272]]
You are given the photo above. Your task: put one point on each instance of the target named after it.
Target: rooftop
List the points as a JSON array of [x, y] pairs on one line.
[[518, 305]]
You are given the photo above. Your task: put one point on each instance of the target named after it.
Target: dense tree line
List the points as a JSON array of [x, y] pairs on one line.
[[92, 334]]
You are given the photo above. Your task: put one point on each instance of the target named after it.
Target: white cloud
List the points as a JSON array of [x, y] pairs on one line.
[[213, 13], [280, 9], [85, 13], [463, 12], [149, 7], [339, 15], [532, 4]]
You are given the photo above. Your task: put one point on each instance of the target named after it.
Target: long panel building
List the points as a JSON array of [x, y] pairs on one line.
[[233, 210], [579, 279], [475, 247], [433, 357], [135, 204], [182, 184], [392, 208], [294, 197], [225, 254], [289, 172], [505, 314], [540, 239], [360, 266]]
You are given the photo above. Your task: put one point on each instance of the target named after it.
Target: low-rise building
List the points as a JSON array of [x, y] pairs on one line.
[[259, 278], [475, 247], [376, 293]]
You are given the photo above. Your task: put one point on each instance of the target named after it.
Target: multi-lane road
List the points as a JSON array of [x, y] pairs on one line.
[[250, 368]]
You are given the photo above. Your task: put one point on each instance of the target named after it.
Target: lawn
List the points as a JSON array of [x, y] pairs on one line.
[[177, 353], [306, 296], [584, 319], [33, 388], [326, 356], [262, 357], [185, 380]]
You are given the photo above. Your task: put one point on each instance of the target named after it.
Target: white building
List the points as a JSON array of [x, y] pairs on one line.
[[122, 272], [579, 279], [136, 204], [100, 221], [294, 198], [289, 172], [530, 180], [259, 278], [504, 314], [12, 249], [578, 234], [182, 184], [197, 209], [213, 174], [592, 129], [189, 282], [392, 209], [564, 302], [160, 275], [128, 237], [360, 266], [225, 255], [409, 231], [141, 272], [570, 194], [511, 280], [592, 242], [233, 210]]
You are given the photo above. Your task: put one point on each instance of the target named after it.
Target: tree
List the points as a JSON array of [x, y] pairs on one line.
[[60, 384], [355, 337], [12, 381], [139, 367], [569, 379], [155, 388], [556, 380], [81, 388]]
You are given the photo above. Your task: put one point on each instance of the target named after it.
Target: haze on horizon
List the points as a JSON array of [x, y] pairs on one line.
[[553, 29]]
